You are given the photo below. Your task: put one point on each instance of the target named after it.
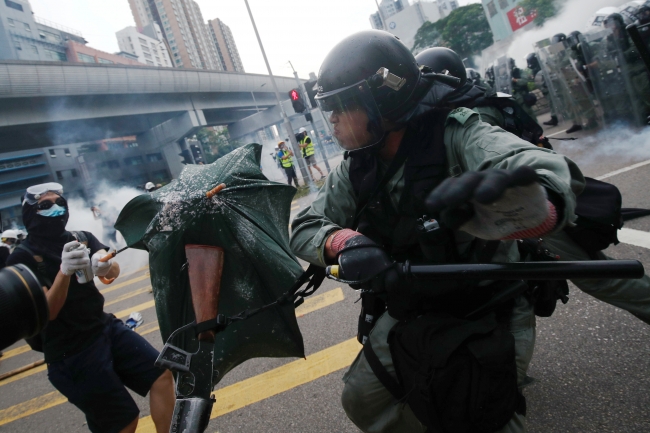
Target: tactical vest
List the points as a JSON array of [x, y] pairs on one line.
[[286, 163], [309, 150]]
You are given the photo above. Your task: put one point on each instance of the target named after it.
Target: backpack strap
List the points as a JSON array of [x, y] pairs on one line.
[[40, 264], [391, 384], [80, 237]]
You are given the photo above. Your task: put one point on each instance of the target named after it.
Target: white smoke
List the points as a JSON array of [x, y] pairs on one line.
[[618, 143], [574, 15], [83, 218]]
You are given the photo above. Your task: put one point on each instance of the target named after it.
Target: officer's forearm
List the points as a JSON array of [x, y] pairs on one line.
[[330, 254]]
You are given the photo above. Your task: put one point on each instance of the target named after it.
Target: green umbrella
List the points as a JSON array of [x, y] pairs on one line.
[[249, 219]]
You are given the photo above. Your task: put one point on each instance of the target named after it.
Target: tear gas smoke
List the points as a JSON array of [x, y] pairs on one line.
[[574, 15], [618, 142], [83, 218]]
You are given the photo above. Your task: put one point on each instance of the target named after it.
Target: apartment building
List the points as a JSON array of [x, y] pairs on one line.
[[224, 43]]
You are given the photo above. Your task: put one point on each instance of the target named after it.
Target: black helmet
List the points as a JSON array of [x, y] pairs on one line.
[[533, 62], [614, 20], [560, 37], [573, 39], [441, 59], [512, 63], [643, 14], [373, 72]]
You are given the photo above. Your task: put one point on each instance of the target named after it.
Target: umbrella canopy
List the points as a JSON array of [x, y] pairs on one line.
[[249, 219]]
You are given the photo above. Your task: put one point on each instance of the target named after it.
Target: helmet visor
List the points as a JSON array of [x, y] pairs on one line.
[[353, 116], [35, 192]]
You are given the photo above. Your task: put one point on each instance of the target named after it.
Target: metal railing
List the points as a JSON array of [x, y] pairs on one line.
[[57, 26]]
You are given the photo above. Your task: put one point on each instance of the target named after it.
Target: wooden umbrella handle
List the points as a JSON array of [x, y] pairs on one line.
[[104, 259]]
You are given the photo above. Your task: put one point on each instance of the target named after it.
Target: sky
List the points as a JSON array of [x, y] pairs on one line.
[[300, 31]]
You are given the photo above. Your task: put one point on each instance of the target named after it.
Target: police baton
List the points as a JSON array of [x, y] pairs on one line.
[[589, 269]]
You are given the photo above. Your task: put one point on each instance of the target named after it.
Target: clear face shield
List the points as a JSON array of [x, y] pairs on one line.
[[353, 116], [35, 192]]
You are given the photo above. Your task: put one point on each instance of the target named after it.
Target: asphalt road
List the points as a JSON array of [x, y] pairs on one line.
[[591, 364]]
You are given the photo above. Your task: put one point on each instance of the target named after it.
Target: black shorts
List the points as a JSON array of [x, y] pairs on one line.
[[94, 380]]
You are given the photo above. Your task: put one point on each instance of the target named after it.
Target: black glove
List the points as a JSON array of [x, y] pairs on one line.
[[490, 204], [364, 262]]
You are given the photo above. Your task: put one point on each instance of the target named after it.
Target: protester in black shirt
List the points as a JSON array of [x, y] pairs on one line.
[[91, 356]]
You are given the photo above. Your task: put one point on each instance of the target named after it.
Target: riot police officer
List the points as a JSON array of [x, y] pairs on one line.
[[402, 146]]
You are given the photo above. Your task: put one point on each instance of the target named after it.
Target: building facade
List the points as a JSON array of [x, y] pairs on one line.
[[148, 50], [403, 19], [224, 43], [23, 36], [183, 29], [505, 17]]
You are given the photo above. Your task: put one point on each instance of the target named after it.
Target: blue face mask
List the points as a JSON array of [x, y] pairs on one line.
[[54, 211]]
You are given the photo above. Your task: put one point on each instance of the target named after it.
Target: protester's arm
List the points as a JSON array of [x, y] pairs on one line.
[[332, 210], [475, 145], [57, 294]]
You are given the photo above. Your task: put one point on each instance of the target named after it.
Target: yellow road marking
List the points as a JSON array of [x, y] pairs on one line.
[[236, 396], [124, 284], [24, 374], [31, 407], [276, 381], [17, 351], [140, 307], [321, 301], [295, 207], [128, 295]]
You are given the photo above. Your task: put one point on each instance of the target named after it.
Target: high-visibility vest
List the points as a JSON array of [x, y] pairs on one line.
[[309, 150], [286, 163]]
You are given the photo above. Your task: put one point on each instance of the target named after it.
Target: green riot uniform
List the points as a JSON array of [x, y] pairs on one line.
[[520, 87], [629, 294], [470, 145]]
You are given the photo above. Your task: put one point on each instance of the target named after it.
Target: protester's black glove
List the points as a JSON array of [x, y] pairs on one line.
[[494, 204], [364, 262]]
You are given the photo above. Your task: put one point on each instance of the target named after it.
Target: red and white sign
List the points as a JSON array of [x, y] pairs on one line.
[[518, 19]]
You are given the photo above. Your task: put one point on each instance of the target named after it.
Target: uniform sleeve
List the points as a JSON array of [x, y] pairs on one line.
[[474, 145], [333, 209]]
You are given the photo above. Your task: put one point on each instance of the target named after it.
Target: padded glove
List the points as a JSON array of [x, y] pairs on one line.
[[100, 268], [494, 204], [73, 259], [363, 261]]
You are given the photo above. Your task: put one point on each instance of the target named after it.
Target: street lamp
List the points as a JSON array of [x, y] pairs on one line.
[[287, 124]]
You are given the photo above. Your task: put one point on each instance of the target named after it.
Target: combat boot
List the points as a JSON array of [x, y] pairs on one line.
[[574, 128], [552, 122]]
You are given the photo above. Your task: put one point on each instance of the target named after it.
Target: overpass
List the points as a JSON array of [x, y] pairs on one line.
[[46, 104]]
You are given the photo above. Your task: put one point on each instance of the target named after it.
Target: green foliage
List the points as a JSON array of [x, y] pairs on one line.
[[215, 144], [545, 9], [465, 30]]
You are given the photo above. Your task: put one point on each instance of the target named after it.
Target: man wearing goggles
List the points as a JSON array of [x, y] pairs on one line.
[[91, 356], [478, 187]]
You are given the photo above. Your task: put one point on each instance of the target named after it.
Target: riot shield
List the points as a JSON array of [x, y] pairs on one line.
[[502, 77], [640, 35], [618, 75], [568, 87]]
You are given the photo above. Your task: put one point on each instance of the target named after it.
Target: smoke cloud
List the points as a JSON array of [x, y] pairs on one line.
[[574, 15], [618, 142], [83, 218]]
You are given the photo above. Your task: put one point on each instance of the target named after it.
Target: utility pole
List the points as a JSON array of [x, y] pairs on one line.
[[301, 86], [287, 123]]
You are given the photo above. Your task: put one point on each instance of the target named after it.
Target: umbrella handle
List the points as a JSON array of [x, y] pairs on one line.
[[104, 259], [216, 190]]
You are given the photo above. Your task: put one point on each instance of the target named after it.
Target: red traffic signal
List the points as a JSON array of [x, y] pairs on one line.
[[296, 101]]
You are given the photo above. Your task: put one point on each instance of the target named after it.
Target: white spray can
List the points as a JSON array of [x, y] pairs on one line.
[[86, 274]]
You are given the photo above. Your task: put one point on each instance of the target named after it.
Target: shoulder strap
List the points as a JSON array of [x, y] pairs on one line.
[[40, 264], [391, 384], [80, 237]]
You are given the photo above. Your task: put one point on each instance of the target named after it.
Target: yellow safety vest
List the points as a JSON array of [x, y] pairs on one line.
[[309, 150], [286, 163]]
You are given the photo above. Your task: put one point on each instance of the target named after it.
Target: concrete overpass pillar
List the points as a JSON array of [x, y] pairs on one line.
[[168, 135]]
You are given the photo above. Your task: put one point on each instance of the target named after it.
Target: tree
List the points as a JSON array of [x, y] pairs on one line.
[[215, 143], [545, 9], [465, 30]]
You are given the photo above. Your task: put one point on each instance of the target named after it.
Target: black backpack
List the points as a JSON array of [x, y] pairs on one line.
[[457, 375]]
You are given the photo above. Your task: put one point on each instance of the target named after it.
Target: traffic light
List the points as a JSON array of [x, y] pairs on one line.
[[312, 89], [196, 152], [297, 101], [187, 156], [309, 117]]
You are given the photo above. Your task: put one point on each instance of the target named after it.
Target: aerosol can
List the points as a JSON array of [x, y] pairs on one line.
[[86, 274]]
